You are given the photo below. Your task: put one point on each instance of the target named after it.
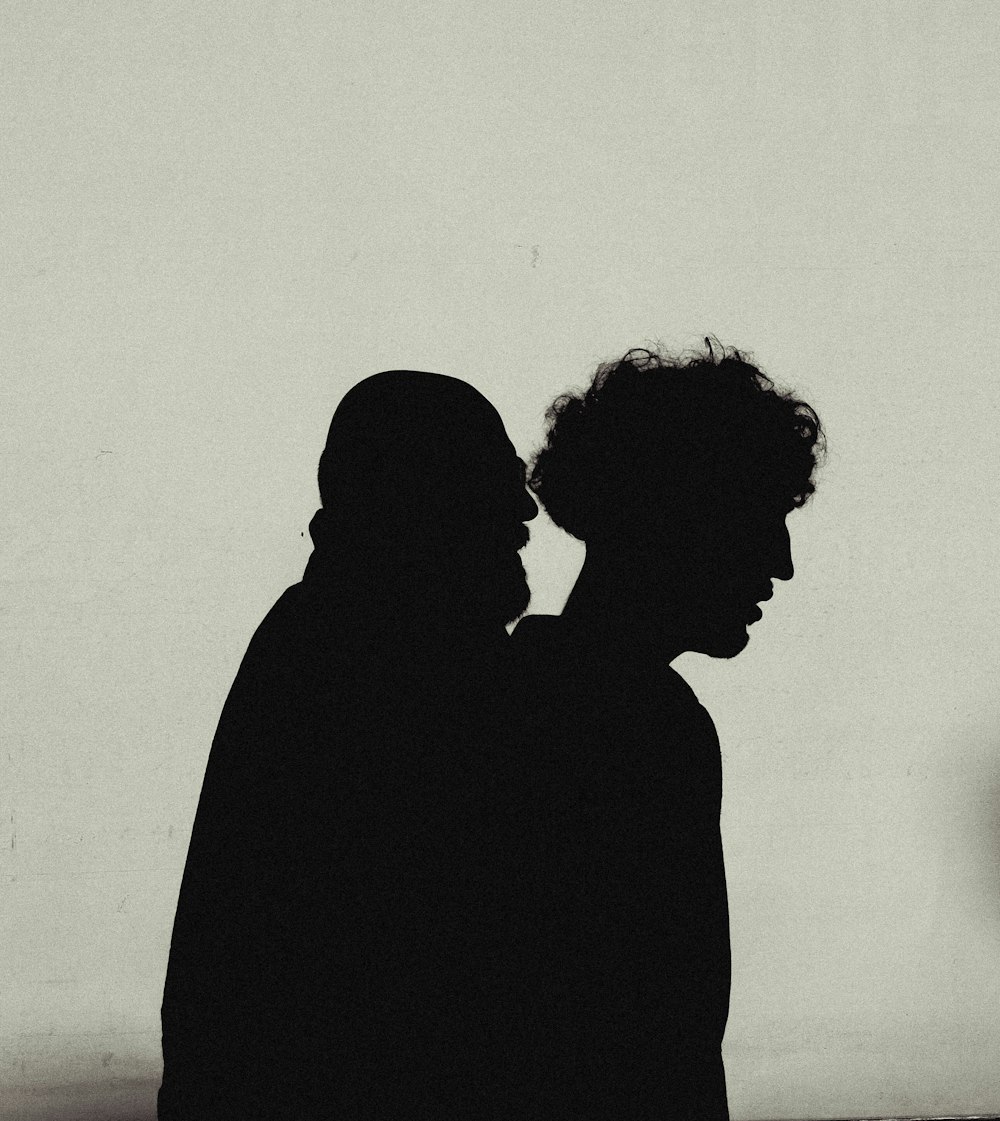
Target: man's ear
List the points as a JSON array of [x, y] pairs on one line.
[[357, 472]]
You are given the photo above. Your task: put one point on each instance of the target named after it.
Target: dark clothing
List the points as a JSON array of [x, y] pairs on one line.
[[333, 954], [626, 881]]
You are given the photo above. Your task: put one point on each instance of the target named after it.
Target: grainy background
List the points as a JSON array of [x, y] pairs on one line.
[[217, 217]]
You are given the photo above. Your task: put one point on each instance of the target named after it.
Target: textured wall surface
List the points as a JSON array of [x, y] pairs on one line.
[[218, 217]]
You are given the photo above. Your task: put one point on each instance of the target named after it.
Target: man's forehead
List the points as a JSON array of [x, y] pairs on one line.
[[488, 447], [463, 465]]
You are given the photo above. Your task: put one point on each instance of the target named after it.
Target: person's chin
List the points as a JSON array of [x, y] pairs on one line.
[[514, 612], [723, 642], [518, 595], [503, 594]]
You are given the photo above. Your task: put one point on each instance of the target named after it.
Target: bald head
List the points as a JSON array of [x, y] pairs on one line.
[[420, 464], [408, 434]]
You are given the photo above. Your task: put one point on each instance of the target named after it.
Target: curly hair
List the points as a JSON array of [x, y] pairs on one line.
[[653, 433]]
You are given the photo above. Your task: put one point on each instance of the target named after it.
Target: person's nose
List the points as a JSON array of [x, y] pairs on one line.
[[528, 508], [782, 567]]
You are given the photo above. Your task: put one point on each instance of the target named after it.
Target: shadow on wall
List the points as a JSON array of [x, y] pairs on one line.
[[132, 1099]]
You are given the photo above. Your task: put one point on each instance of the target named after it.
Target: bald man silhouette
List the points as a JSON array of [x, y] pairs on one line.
[[331, 953]]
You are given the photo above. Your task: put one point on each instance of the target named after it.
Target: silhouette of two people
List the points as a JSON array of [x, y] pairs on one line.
[[438, 872]]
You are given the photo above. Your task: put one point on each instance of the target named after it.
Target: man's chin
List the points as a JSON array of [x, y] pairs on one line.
[[516, 603], [504, 595], [723, 643], [515, 616]]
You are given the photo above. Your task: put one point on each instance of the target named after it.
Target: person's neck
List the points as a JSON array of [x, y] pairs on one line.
[[609, 605]]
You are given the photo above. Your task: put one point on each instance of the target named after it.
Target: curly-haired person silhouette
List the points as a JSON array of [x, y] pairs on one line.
[[678, 475], [331, 948]]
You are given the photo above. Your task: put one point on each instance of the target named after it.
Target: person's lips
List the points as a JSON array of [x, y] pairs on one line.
[[752, 610]]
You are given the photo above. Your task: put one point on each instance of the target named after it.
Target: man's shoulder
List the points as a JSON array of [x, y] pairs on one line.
[[299, 643], [558, 660], [537, 633], [304, 615], [543, 648]]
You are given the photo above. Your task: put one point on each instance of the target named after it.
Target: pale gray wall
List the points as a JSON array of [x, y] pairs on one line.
[[219, 216]]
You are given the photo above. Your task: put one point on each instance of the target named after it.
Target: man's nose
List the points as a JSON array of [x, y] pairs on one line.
[[782, 567], [528, 508]]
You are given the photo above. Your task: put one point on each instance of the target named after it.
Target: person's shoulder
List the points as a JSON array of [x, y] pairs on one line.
[[301, 633], [543, 644], [560, 666], [676, 687], [312, 609], [282, 620], [537, 631], [679, 707]]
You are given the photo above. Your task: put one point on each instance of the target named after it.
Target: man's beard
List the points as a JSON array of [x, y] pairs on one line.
[[518, 595], [497, 580], [504, 595], [484, 584]]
